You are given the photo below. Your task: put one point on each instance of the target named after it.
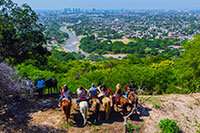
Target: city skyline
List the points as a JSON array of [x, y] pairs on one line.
[[111, 4]]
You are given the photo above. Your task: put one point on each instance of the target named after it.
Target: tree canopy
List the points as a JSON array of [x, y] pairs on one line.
[[21, 36]]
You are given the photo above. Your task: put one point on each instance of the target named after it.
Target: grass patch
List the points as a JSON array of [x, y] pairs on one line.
[[156, 105], [66, 126], [96, 128], [131, 128], [190, 107], [150, 99], [187, 118]]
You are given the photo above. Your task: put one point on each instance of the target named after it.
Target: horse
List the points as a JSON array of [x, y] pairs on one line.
[[83, 108], [95, 104], [106, 104], [66, 105], [51, 83], [132, 97], [122, 101]]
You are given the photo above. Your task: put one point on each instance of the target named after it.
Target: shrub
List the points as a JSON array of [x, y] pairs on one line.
[[169, 126], [11, 87], [131, 127]]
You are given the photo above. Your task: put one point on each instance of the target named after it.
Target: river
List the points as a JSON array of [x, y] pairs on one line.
[[73, 42]]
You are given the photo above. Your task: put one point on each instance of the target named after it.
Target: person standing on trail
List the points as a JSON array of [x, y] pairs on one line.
[[40, 84]]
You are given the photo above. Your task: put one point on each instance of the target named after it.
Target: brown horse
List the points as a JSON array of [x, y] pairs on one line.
[[132, 97], [106, 104], [122, 101], [95, 103], [66, 105]]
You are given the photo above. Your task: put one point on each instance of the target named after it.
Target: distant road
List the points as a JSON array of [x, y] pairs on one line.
[[73, 42]]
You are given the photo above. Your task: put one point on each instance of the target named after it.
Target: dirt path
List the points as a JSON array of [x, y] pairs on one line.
[[42, 115]]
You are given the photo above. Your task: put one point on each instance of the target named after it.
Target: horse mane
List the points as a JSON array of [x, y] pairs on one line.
[[110, 91]]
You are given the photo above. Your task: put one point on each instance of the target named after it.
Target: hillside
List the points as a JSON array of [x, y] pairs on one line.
[[43, 115]]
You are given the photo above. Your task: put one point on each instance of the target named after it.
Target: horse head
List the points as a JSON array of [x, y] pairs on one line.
[[110, 91], [126, 88]]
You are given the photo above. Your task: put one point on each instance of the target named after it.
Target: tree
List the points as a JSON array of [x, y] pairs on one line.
[[21, 36], [188, 67]]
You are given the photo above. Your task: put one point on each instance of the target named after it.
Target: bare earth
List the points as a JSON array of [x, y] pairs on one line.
[[43, 115]]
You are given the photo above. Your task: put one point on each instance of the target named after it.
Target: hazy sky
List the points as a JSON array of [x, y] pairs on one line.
[[112, 4]]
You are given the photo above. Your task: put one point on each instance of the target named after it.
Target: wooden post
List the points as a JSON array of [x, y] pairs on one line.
[[126, 118]]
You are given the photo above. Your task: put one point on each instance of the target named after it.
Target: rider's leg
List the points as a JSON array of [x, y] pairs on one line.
[[126, 94], [113, 101], [60, 99], [77, 101]]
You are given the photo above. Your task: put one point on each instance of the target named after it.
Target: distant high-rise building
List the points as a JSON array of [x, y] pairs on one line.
[[67, 10], [94, 9]]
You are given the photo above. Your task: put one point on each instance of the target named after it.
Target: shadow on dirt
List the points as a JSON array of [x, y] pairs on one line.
[[143, 112], [115, 116], [16, 116]]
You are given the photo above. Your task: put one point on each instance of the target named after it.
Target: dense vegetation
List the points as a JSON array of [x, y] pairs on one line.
[[156, 74], [138, 46], [21, 36], [21, 46]]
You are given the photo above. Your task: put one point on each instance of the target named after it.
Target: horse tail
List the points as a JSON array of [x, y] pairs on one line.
[[107, 106], [97, 108], [84, 110]]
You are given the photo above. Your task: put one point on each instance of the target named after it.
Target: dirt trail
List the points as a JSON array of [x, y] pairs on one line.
[[43, 115]]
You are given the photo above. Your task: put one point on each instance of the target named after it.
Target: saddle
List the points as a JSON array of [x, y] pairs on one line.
[[118, 98], [105, 95], [65, 98], [83, 99], [93, 97]]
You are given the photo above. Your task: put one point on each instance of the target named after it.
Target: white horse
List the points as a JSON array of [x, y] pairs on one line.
[[83, 107]]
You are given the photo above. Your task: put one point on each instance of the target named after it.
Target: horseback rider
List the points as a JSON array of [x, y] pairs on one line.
[[103, 91], [64, 94], [40, 84], [118, 94], [93, 92], [82, 94], [132, 88]]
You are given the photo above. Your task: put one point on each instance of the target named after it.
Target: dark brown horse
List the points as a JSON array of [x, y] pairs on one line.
[[132, 97], [122, 101], [51, 84], [66, 105]]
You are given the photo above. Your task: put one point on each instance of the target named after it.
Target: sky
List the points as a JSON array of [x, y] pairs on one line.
[[112, 4]]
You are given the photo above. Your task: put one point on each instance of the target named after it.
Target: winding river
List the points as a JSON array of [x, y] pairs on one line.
[[73, 42]]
